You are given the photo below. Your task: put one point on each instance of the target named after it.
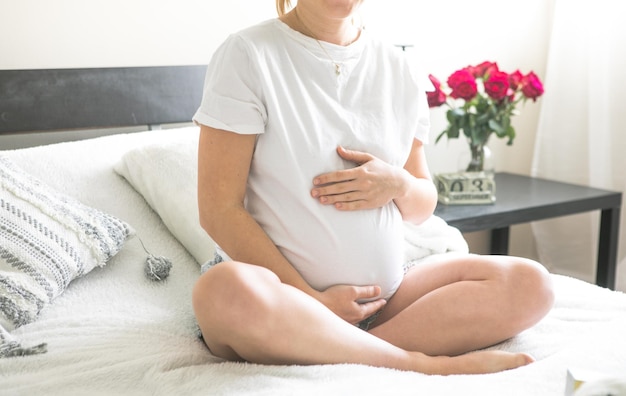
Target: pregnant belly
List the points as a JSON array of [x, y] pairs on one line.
[[354, 248]]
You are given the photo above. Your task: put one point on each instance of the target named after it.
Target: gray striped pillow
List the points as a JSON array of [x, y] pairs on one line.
[[47, 239]]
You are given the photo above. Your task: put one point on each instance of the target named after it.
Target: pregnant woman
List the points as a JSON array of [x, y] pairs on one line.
[[310, 158]]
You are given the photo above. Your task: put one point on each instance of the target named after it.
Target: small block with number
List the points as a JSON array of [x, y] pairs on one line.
[[466, 188]]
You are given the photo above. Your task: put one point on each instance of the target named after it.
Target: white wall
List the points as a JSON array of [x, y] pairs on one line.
[[447, 34], [99, 33], [450, 34]]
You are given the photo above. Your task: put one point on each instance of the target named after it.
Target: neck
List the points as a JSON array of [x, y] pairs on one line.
[[340, 31]]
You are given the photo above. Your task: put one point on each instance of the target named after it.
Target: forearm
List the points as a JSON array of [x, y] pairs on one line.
[[417, 197], [243, 239], [223, 164]]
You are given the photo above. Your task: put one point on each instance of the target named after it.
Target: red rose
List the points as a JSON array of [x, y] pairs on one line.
[[437, 97], [515, 79], [532, 87], [463, 85], [483, 69], [497, 85]]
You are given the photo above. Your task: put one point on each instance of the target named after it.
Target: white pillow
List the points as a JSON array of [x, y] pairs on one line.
[[47, 239], [165, 173]]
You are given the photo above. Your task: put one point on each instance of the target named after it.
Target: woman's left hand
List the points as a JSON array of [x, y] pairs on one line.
[[372, 184]]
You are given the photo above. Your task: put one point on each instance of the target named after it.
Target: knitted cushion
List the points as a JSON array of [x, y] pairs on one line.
[[47, 239]]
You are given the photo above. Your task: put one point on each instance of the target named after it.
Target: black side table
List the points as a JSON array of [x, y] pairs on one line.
[[522, 199]]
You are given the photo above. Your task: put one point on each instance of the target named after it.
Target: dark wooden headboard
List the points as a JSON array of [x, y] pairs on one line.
[[65, 99]]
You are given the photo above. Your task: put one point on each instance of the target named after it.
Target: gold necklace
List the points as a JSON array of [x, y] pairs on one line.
[[337, 65]]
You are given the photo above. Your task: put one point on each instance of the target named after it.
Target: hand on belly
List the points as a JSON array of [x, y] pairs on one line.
[[372, 184], [343, 300]]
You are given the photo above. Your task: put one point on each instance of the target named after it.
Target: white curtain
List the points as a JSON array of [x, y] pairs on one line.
[[581, 136]]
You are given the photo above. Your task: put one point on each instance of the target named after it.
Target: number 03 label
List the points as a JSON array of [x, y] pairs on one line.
[[466, 188]]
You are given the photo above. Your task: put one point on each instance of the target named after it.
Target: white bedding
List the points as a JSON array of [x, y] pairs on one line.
[[116, 332]]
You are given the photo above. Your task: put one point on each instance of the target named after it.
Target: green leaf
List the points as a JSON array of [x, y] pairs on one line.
[[453, 132], [483, 118], [497, 128], [454, 115], [511, 134], [442, 134]]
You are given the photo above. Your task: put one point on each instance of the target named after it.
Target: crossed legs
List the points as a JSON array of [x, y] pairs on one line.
[[443, 308], [454, 304]]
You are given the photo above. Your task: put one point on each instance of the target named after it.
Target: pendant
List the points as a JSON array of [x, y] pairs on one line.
[[337, 69]]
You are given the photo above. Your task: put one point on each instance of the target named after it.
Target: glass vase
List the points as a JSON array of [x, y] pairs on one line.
[[474, 183], [477, 159]]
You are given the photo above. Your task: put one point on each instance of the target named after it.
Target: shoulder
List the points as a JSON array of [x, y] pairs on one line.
[[260, 35], [378, 47], [258, 30], [405, 65], [242, 47], [387, 55]]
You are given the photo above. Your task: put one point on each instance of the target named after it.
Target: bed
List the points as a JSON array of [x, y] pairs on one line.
[[106, 314]]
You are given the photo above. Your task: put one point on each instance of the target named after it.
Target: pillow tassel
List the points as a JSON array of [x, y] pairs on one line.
[[17, 350], [157, 268], [10, 347]]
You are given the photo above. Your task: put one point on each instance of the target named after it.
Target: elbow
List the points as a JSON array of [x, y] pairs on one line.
[[418, 218], [421, 207], [215, 215], [208, 213], [205, 218]]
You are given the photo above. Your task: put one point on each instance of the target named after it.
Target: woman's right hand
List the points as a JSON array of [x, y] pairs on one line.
[[343, 301]]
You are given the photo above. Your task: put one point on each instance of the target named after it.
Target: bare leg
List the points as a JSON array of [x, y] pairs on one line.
[[456, 304], [245, 312]]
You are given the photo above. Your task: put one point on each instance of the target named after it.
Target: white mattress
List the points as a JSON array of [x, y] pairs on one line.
[[116, 332]]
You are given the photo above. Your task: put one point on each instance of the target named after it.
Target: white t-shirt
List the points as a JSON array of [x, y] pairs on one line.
[[272, 81]]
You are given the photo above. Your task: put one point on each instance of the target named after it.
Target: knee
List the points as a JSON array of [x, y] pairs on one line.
[[209, 288], [230, 295], [533, 290]]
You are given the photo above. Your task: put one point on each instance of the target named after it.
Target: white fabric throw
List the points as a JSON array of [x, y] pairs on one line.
[[433, 236]]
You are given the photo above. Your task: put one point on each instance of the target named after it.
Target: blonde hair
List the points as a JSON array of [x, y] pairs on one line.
[[282, 6]]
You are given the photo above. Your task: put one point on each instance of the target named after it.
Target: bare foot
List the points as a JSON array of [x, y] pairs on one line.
[[481, 362]]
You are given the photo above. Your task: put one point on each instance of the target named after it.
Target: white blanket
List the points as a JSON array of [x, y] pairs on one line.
[[116, 332]]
